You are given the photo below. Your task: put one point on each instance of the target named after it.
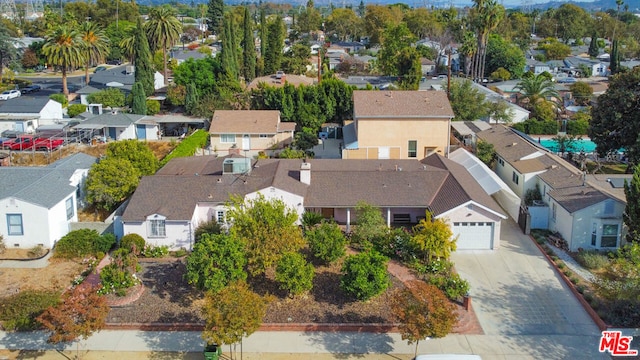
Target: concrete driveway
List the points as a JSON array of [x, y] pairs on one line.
[[520, 301]]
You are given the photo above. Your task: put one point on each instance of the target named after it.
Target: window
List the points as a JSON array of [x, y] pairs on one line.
[[500, 161], [594, 234], [553, 211], [70, 209], [227, 138], [515, 178], [413, 148], [158, 228], [609, 235], [220, 216], [456, 224], [263, 136], [14, 224]]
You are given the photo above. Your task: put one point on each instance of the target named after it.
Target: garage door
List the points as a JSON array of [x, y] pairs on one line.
[[474, 235]]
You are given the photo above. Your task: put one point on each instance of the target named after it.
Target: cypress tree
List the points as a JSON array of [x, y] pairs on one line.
[[248, 49], [144, 73], [191, 98], [275, 41], [632, 210], [139, 100], [614, 60], [215, 13], [228, 60], [593, 45]]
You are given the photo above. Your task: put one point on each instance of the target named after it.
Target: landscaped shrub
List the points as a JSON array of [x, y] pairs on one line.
[[153, 107], [133, 243], [36, 251], [588, 297], [326, 241], [365, 275], [623, 313], [561, 265], [61, 98], [311, 219], [567, 272], [188, 146], [151, 251], [19, 312], [211, 227], [83, 242], [395, 244], [574, 280], [180, 252], [452, 285], [294, 274], [580, 289], [592, 260], [115, 280], [76, 109]]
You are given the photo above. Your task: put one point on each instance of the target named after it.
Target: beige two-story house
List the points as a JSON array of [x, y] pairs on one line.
[[398, 125], [249, 132]]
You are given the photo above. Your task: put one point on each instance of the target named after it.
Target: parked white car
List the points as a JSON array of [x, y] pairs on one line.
[[10, 94]]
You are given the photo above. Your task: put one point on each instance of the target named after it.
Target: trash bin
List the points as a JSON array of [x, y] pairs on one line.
[[212, 352]]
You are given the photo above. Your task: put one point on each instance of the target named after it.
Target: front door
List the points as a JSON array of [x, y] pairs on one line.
[[142, 132], [246, 142], [112, 133]]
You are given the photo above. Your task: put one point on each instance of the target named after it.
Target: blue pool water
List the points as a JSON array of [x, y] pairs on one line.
[[587, 146]]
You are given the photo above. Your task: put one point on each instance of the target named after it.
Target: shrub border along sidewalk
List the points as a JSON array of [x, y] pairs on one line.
[[592, 313]]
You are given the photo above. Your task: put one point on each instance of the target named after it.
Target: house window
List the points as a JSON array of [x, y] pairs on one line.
[[263, 136], [227, 138], [158, 228], [220, 216], [553, 211], [69, 206], [500, 161], [594, 234], [515, 178], [609, 235], [413, 148], [14, 224]]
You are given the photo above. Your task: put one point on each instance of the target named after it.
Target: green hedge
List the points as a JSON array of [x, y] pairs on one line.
[[188, 146], [83, 242]]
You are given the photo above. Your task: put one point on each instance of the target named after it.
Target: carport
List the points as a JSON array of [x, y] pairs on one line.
[[489, 181]]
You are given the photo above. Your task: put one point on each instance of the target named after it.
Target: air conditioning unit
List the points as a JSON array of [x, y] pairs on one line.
[[539, 203]]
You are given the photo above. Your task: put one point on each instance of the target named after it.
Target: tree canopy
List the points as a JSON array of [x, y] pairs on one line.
[[110, 182], [615, 123], [267, 228], [137, 153], [216, 261]]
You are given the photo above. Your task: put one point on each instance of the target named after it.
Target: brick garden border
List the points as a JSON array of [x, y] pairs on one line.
[[592, 313]]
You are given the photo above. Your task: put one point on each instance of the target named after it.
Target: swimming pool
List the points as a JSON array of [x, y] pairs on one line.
[[585, 145]]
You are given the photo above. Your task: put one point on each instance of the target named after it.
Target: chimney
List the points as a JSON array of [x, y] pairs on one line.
[[305, 173]]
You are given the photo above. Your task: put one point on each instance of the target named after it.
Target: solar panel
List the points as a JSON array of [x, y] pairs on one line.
[[617, 183]]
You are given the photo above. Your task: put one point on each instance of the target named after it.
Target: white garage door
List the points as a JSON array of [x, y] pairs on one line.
[[473, 235]]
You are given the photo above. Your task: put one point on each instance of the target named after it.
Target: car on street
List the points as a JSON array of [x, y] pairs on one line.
[[567, 80], [279, 74], [31, 89], [99, 68], [10, 94], [114, 62]]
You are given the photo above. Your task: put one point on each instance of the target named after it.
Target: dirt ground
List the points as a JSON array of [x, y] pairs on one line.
[[40, 158], [56, 276]]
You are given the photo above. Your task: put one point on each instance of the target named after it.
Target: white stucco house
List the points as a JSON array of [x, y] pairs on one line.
[[116, 125], [586, 213], [168, 206], [26, 113], [39, 203]]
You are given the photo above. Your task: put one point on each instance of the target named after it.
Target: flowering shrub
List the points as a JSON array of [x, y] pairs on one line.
[[451, 284], [116, 280], [151, 251]]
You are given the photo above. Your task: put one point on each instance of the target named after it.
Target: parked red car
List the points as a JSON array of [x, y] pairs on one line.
[[48, 144]]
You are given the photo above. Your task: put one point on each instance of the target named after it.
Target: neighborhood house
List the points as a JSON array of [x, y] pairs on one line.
[[168, 207]]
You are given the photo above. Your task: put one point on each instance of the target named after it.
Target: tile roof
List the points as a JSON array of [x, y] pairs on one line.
[[390, 104], [247, 122], [438, 183], [43, 186]]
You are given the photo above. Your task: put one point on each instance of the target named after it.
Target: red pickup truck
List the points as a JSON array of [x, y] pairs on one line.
[[29, 142], [48, 144], [23, 142]]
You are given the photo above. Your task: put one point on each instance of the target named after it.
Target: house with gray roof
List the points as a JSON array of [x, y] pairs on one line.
[[167, 207], [121, 77], [26, 113], [38, 204], [587, 213], [116, 125]]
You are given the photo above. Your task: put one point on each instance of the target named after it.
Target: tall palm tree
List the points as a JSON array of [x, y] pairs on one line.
[[64, 47], [536, 89], [486, 15], [163, 30], [96, 45]]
